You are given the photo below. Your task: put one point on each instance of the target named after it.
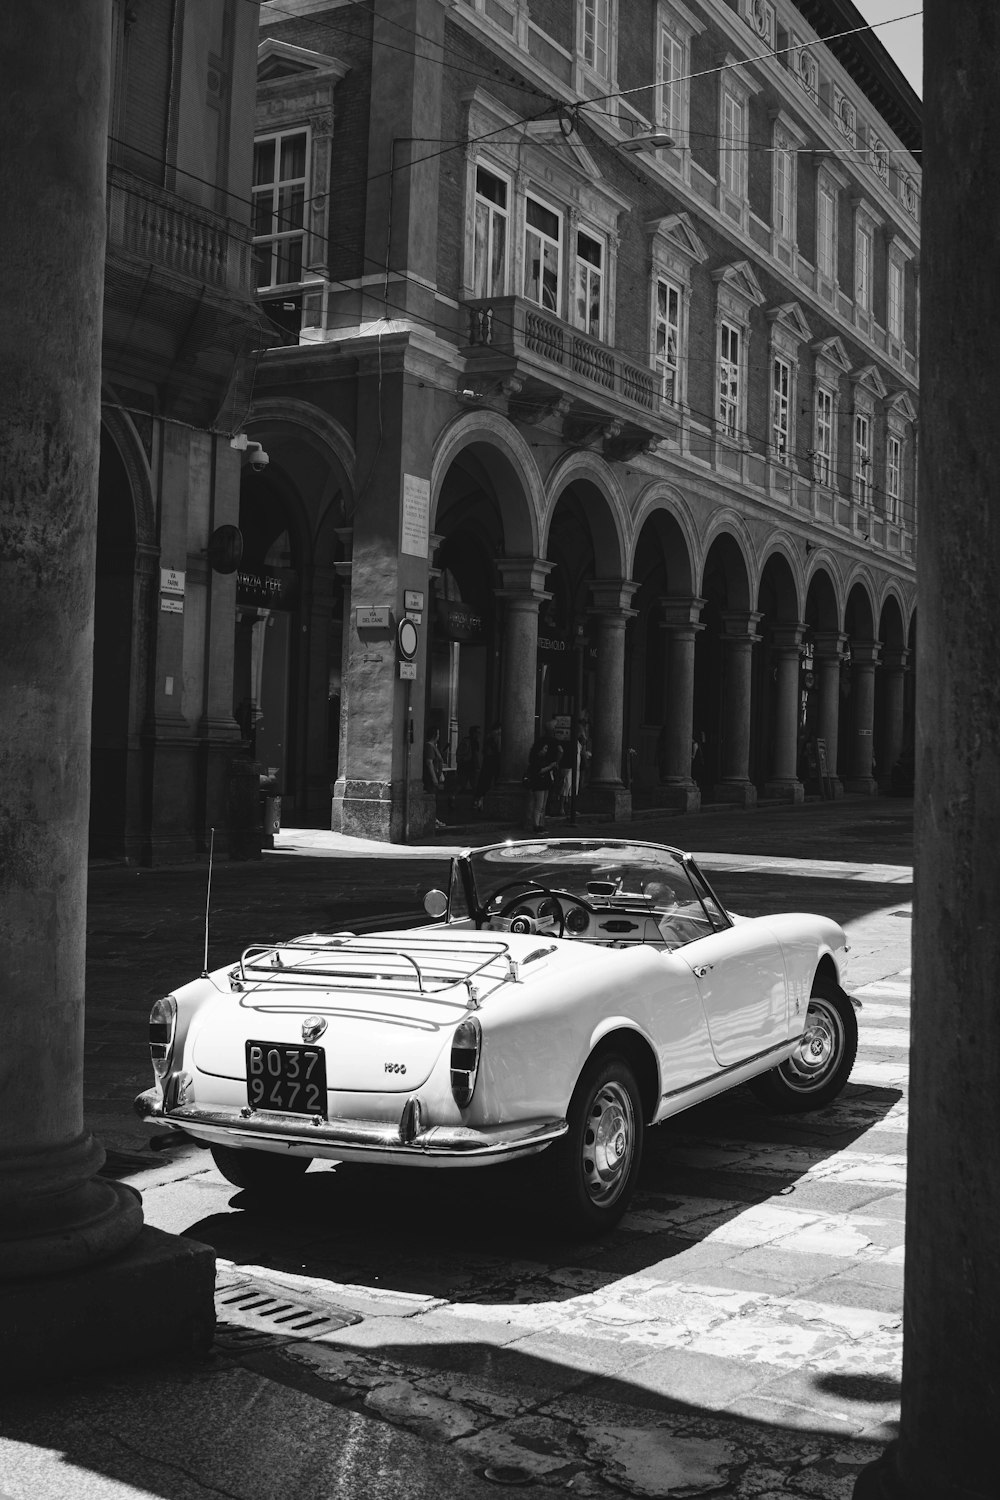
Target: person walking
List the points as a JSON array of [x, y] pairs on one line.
[[433, 768], [543, 774]]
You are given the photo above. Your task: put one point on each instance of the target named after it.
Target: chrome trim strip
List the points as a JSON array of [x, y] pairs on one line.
[[375, 1137], [783, 1048]]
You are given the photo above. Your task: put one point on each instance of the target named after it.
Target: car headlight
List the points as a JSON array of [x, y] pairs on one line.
[[466, 1045], [162, 1030]]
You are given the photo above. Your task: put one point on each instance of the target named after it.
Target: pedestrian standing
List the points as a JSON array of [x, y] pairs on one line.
[[542, 776]]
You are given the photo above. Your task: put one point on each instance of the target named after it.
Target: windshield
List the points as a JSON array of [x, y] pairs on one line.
[[608, 875]]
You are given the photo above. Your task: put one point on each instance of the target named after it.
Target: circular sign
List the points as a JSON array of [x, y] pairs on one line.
[[225, 549], [407, 639]]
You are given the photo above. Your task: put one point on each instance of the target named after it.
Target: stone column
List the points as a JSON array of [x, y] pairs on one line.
[[522, 593], [610, 613], [864, 660], [893, 684], [784, 782], [829, 649], [951, 1323], [681, 621], [55, 1213], [73, 1290], [740, 636]]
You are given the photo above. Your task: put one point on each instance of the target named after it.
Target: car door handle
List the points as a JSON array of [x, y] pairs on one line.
[[700, 970]]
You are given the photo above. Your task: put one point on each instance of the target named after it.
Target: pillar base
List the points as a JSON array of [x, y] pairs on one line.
[[156, 1299], [679, 796], [878, 1480], [866, 785], [606, 800], [785, 789], [738, 793], [367, 810], [57, 1215]]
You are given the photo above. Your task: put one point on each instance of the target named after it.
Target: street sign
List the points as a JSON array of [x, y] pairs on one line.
[[407, 639], [372, 617], [408, 669]]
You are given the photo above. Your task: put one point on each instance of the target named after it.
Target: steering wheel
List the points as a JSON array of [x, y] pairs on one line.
[[554, 893]]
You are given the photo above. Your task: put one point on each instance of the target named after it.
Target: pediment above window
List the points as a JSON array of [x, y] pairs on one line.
[[832, 352], [869, 378], [902, 405], [739, 283], [673, 235], [789, 320], [282, 62]]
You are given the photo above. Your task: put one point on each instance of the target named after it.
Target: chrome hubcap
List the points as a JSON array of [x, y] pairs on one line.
[[608, 1143], [819, 1049]]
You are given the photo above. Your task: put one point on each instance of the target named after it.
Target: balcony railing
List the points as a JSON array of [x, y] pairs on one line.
[[175, 234], [512, 326]]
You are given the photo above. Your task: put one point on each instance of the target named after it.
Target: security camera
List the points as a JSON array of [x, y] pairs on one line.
[[257, 458]]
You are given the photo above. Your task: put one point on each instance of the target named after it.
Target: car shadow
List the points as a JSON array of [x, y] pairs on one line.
[[481, 1237]]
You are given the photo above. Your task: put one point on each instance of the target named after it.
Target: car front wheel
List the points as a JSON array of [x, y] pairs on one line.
[[590, 1173], [259, 1171], [823, 1057]]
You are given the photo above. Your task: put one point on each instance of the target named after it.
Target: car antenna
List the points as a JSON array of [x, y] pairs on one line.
[[208, 898]]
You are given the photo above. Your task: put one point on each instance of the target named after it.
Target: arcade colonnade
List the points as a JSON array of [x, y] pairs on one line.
[[716, 653]]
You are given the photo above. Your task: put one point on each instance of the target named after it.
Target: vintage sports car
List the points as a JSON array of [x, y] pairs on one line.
[[567, 994]]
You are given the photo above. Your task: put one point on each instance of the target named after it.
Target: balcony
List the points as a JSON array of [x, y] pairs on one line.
[[174, 234], [547, 366]]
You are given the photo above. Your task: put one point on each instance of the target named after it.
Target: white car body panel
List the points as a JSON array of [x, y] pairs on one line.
[[704, 1015]]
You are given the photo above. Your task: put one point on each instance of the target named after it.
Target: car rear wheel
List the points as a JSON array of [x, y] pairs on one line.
[[590, 1173], [259, 1171], [823, 1057]]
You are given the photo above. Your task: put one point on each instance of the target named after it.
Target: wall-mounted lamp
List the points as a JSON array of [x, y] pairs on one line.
[[653, 138]]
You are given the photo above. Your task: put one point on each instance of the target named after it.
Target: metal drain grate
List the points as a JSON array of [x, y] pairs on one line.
[[250, 1314]]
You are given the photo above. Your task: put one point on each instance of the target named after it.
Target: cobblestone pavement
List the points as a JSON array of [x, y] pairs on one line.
[[738, 1335]]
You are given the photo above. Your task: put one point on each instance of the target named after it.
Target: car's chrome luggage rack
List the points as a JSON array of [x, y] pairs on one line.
[[426, 963]]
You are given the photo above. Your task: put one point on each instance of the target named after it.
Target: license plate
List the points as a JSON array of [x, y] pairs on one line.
[[292, 1079]]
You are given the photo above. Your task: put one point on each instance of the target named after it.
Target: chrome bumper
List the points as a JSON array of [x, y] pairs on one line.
[[403, 1141]]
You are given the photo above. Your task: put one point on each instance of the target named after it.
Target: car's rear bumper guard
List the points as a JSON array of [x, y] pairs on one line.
[[398, 1138]]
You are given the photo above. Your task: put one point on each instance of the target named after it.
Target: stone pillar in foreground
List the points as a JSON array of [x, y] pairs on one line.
[[55, 1214], [82, 1283], [829, 646], [951, 1329]]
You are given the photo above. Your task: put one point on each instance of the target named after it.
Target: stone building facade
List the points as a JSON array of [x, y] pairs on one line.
[[588, 342], [182, 333], [599, 361]]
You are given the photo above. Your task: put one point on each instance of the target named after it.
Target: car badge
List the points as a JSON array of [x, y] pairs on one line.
[[313, 1028]]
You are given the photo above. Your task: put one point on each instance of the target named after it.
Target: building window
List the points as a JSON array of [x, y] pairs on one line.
[[862, 457], [863, 266], [823, 441], [733, 159], [673, 71], [781, 390], [893, 475], [279, 199], [826, 230], [542, 255], [588, 306], [784, 166], [894, 302], [596, 47], [489, 277], [668, 338], [729, 380]]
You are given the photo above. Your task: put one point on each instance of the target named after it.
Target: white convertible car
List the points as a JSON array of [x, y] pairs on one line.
[[566, 994]]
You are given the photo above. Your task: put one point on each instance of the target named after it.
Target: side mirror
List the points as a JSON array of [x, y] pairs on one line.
[[435, 904]]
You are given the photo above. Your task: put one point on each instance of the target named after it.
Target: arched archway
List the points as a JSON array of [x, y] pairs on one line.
[[775, 718], [291, 598], [661, 658], [723, 655]]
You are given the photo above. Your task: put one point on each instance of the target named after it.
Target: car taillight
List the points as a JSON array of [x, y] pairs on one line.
[[162, 1027], [466, 1045]]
